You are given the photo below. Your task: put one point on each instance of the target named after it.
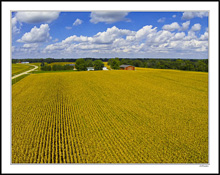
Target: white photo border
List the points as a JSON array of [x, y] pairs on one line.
[[212, 7]]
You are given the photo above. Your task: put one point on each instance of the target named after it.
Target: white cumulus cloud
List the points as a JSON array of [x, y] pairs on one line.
[[16, 26], [31, 45], [110, 35], [77, 22], [37, 17], [196, 27], [161, 20], [204, 37], [171, 27], [185, 25], [162, 36], [145, 32], [108, 17], [179, 36], [74, 38], [190, 15], [37, 35]]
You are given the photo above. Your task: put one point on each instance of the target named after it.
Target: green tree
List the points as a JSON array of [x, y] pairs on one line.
[[115, 64], [42, 68], [80, 64], [145, 64], [158, 66], [201, 66], [110, 61], [138, 63], [123, 61], [89, 63], [178, 63], [15, 61], [67, 67], [49, 60], [48, 68], [151, 63], [98, 65], [56, 67]]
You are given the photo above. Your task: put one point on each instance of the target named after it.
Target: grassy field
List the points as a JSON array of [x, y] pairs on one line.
[[142, 116], [19, 68]]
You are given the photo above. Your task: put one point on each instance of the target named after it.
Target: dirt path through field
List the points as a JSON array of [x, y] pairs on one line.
[[35, 67]]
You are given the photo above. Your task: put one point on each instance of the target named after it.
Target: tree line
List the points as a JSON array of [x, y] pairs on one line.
[[114, 63], [179, 64], [55, 67]]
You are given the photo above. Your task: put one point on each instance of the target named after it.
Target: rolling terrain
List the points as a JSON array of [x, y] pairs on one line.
[[19, 68]]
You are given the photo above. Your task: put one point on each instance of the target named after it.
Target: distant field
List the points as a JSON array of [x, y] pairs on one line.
[[142, 116], [19, 68], [106, 65], [61, 63]]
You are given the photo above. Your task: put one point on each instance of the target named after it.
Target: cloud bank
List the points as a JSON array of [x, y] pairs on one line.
[[146, 41], [108, 17], [190, 15], [36, 17]]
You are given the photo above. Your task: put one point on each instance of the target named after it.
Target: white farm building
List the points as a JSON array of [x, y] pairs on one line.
[[104, 68], [90, 68]]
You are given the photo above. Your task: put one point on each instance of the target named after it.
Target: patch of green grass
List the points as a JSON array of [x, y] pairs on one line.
[[15, 80]]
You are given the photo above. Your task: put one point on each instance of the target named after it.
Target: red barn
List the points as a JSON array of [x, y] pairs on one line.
[[127, 67]]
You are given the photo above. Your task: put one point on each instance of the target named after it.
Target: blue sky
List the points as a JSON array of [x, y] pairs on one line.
[[109, 34]]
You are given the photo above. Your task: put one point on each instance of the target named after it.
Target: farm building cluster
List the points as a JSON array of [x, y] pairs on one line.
[[122, 67], [127, 67], [24, 62], [92, 68]]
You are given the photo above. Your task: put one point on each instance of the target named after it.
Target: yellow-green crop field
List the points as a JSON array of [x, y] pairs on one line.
[[142, 116], [61, 63], [19, 68]]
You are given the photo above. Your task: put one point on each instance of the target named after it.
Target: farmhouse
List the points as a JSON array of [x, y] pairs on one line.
[[90, 68], [127, 67], [104, 68]]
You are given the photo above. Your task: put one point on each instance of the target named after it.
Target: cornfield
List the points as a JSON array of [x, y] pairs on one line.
[[142, 116]]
